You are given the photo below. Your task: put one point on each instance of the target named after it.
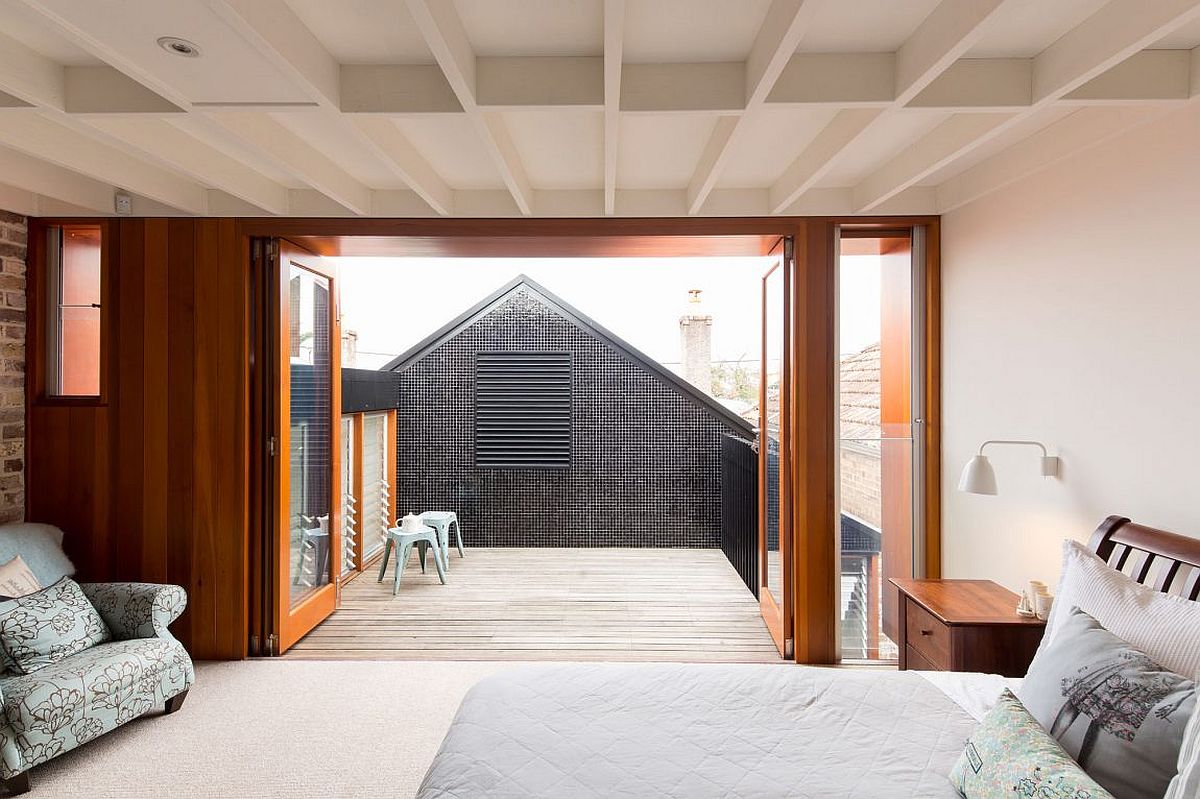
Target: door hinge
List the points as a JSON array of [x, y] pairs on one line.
[[271, 446], [272, 645]]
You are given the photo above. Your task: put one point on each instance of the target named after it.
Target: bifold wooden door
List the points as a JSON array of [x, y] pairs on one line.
[[305, 445], [774, 451]]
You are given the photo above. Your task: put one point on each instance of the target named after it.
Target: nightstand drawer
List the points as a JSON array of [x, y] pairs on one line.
[[927, 635], [918, 661]]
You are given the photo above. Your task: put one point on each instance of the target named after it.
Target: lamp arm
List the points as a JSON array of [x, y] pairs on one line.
[[1015, 442]]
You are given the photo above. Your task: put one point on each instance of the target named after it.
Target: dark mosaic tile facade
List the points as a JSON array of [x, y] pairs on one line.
[[645, 462]]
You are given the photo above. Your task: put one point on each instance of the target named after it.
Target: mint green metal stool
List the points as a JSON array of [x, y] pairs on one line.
[[441, 521], [404, 543]]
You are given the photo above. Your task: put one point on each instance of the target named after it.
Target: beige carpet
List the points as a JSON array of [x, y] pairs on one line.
[[278, 729]]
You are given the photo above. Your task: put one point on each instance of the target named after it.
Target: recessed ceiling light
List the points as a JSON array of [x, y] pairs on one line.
[[176, 46]]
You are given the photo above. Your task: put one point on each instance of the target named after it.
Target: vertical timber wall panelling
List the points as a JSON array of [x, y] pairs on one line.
[[14, 237], [151, 484]]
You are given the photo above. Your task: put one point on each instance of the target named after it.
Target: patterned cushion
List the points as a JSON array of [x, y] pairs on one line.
[[77, 699], [47, 626], [1011, 755], [1112, 708]]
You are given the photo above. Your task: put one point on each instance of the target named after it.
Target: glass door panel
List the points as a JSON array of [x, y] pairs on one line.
[[774, 556], [308, 428], [877, 385], [376, 501]]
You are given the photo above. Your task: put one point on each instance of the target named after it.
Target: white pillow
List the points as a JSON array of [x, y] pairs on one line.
[[1186, 784], [1165, 627], [16, 580]]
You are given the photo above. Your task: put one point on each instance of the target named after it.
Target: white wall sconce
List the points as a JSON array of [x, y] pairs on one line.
[[978, 477]]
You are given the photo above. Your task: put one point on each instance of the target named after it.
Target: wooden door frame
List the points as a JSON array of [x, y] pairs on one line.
[[293, 622], [778, 616], [815, 561]]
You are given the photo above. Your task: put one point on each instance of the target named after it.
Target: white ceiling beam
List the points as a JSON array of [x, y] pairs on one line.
[[100, 89], [445, 36], [1062, 139], [820, 156], [391, 145], [30, 76], [275, 30], [80, 34], [932, 152], [396, 89], [34, 134], [942, 39], [1194, 80], [945, 36], [161, 141], [1147, 76], [39, 177], [20, 201], [785, 24], [1117, 31], [669, 88], [540, 82], [614, 42], [296, 156], [837, 79], [980, 84]]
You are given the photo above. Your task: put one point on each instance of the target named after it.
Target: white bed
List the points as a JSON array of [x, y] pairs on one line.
[[697, 731], [680, 730]]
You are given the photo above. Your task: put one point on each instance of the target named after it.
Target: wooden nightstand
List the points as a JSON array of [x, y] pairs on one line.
[[964, 625]]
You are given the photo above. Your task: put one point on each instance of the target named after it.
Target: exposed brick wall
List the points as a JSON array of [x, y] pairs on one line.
[[14, 238], [861, 485]]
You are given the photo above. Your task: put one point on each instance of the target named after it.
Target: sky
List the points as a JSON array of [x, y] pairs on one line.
[[393, 303]]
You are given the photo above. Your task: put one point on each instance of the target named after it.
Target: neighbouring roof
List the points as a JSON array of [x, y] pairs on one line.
[[858, 382], [582, 321], [858, 536]]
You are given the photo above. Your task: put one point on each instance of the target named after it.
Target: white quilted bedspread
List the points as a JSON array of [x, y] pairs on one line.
[[700, 731]]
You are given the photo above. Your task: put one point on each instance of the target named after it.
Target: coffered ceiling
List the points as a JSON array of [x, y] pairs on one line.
[[569, 107]]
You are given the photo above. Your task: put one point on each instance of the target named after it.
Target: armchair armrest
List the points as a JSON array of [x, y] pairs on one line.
[[137, 610]]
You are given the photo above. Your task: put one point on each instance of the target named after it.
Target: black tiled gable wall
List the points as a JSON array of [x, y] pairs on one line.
[[645, 461]]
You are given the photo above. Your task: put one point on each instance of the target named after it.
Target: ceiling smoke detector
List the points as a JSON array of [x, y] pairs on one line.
[[176, 46]]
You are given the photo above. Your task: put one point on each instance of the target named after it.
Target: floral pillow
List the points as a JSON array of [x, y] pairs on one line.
[[1120, 714], [1010, 755], [47, 626]]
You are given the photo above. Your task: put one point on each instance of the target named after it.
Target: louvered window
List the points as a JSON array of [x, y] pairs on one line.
[[523, 410]]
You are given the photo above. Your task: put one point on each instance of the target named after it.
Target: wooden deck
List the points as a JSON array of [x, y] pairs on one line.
[[551, 604]]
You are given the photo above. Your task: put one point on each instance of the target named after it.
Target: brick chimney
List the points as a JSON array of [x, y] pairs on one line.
[[349, 349], [695, 339]]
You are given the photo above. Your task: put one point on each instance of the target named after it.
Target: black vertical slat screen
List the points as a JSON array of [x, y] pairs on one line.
[[739, 508], [523, 410]]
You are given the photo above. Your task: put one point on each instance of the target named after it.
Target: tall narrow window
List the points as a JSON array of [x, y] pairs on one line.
[[73, 311], [879, 471]]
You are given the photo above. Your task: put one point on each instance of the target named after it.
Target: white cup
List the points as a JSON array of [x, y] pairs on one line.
[[1041, 606]]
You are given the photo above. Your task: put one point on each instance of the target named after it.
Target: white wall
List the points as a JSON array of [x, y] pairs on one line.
[[1072, 315]]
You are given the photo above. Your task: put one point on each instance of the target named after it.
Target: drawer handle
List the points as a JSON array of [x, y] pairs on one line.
[[926, 632]]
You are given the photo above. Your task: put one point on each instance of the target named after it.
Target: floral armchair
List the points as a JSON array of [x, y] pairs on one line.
[[76, 699]]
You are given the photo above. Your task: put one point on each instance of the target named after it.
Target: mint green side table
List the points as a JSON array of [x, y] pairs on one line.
[[403, 543], [441, 520]]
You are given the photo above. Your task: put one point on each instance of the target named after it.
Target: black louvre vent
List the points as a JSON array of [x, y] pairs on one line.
[[523, 410]]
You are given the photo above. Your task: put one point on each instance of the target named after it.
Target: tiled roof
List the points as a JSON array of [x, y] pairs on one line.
[[859, 390]]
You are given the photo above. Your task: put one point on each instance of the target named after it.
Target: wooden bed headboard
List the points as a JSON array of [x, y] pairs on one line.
[[1172, 559]]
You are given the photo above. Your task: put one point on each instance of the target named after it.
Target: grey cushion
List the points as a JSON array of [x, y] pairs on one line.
[[40, 546], [1113, 709], [47, 626]]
